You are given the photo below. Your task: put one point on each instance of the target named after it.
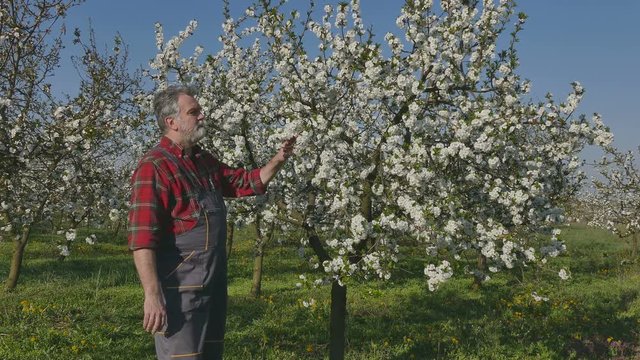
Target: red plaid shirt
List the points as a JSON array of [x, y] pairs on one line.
[[162, 195]]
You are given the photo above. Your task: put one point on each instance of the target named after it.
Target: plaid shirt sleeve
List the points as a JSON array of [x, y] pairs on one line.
[[149, 204], [240, 182]]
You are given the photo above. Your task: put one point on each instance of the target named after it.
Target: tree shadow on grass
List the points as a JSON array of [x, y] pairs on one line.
[[426, 322], [109, 270], [496, 321], [481, 322]]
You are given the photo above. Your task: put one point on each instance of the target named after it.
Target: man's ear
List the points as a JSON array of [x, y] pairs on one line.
[[171, 123]]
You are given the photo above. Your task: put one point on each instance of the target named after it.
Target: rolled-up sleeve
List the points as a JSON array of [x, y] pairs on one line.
[[238, 182], [149, 199]]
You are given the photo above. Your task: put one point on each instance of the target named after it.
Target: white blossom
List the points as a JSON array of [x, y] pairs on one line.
[[64, 250], [563, 274], [437, 275], [91, 239], [70, 235], [538, 298]]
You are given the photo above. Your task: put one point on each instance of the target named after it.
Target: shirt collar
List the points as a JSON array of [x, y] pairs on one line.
[[178, 150]]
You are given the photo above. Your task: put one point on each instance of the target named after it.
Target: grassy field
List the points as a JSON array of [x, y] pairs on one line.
[[89, 307]]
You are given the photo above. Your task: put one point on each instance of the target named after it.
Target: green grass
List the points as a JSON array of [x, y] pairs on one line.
[[89, 307]]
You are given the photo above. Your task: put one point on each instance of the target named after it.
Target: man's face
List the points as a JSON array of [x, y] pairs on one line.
[[190, 120]]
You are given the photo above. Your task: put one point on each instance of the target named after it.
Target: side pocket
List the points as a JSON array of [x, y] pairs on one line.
[[183, 272], [186, 259]]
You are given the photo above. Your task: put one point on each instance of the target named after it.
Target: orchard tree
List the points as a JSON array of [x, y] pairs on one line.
[[426, 135], [62, 156], [615, 203]]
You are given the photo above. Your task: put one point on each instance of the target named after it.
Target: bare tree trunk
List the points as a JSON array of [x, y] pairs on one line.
[[338, 317], [263, 238], [116, 231], [256, 284], [482, 267], [230, 228], [16, 261], [338, 324]]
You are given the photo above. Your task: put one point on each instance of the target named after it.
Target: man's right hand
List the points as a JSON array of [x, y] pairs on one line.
[[155, 313]]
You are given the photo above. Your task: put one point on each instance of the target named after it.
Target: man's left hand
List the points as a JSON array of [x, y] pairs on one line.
[[287, 148]]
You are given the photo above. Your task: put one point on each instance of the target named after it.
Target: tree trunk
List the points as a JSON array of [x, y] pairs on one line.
[[116, 231], [258, 257], [16, 261], [338, 324], [263, 238], [482, 267], [256, 284], [230, 228], [338, 317], [366, 209]]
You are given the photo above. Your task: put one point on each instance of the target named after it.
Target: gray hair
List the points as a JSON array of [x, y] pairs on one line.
[[165, 103]]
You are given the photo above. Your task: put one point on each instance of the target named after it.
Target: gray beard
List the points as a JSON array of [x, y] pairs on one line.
[[196, 134]]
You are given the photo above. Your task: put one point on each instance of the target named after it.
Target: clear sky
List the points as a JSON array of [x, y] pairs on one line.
[[591, 41]]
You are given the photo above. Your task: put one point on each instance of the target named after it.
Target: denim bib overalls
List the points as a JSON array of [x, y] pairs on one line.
[[193, 274]]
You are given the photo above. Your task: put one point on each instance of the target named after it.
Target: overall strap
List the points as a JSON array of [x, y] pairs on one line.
[[194, 182]]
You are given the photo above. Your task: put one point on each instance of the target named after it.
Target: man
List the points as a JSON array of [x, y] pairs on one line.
[[177, 229]]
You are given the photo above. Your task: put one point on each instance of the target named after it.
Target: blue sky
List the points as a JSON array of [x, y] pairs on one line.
[[591, 41]]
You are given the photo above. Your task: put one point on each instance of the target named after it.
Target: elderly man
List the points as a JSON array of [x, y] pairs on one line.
[[177, 229]]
